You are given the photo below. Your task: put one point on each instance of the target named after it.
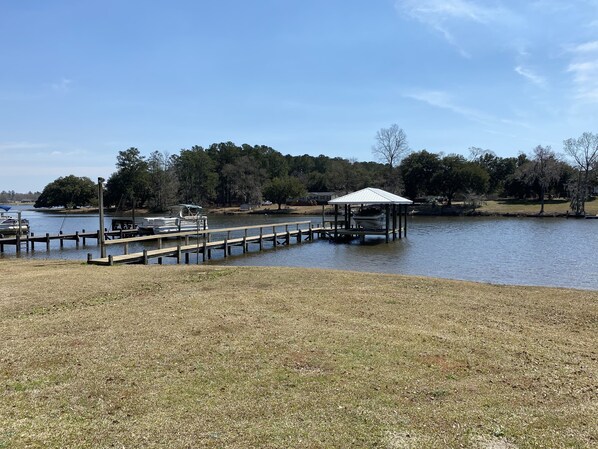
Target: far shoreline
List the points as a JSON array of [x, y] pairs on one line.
[[491, 208]]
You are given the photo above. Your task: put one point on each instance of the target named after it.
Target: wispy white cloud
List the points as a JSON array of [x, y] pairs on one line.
[[530, 75], [586, 47], [584, 69], [444, 15], [63, 85], [551, 6], [46, 151], [21, 146], [444, 100], [435, 10]]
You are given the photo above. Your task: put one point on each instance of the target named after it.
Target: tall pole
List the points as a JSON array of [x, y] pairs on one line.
[[18, 235], [101, 207]]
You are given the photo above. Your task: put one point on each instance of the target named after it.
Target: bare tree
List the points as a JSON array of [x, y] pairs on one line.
[[584, 152], [391, 145]]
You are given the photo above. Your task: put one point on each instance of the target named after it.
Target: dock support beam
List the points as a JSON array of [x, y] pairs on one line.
[[387, 223], [335, 222]]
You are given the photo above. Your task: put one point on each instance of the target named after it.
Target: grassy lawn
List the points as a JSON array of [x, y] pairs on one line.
[[187, 356], [533, 207]]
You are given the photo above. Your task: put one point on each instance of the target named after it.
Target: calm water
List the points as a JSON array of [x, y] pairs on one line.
[[521, 251]]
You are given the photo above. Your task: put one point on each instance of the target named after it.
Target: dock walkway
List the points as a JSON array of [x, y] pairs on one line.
[[205, 242]]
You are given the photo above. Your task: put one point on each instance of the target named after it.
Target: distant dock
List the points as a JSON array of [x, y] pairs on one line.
[[28, 241], [204, 242]]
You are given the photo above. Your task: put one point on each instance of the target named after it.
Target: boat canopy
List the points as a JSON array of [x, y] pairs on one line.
[[6, 208], [370, 195]]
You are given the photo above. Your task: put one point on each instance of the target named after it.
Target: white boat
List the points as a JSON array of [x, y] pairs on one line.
[[369, 219], [183, 217], [10, 225]]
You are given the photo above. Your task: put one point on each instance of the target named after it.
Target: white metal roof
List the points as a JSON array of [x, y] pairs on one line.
[[369, 195]]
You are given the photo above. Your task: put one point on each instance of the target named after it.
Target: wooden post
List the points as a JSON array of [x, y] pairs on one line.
[[394, 222], [400, 221], [145, 259], [207, 239], [335, 221], [32, 242], [187, 258], [47, 242], [245, 242], [225, 247], [405, 221], [101, 235], [77, 239], [61, 239], [261, 238], [111, 260], [387, 223], [18, 243], [204, 255]]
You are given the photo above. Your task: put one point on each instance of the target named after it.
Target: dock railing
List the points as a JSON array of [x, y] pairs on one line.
[[206, 240]]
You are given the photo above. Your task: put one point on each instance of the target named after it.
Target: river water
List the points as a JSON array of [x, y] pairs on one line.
[[517, 251]]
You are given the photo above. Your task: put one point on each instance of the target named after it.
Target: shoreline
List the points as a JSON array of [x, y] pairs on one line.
[[511, 211]]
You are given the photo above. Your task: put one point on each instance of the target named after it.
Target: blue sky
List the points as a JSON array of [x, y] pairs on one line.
[[82, 80]]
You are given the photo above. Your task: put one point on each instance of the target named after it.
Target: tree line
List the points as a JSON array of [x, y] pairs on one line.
[[226, 174], [10, 196]]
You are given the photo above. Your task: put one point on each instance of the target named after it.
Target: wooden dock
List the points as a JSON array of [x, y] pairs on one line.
[[206, 241], [28, 241]]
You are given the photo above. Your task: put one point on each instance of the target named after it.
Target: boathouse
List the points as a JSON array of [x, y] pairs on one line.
[[370, 211]]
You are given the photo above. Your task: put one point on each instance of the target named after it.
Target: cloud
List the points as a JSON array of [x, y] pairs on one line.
[[531, 76], [62, 86], [587, 47], [444, 100], [551, 6], [445, 15], [7, 147], [440, 10], [45, 151], [584, 69]]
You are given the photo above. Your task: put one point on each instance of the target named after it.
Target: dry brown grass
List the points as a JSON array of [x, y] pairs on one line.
[[551, 207], [186, 356]]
